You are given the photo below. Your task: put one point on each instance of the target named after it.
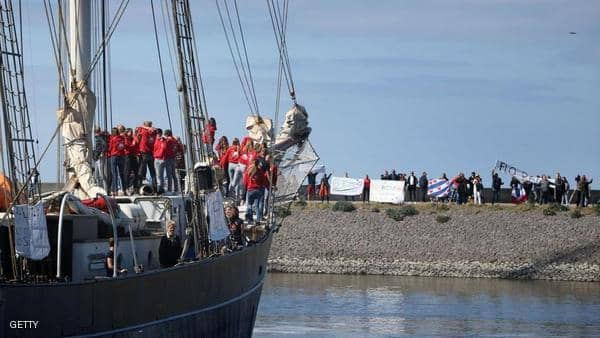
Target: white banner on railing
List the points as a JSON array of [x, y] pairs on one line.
[[346, 186], [31, 232], [387, 191], [217, 229]]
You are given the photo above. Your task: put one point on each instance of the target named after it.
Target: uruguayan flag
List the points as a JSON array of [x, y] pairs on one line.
[[438, 188]]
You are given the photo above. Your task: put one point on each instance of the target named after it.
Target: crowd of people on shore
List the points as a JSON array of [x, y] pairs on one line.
[[245, 169], [541, 189]]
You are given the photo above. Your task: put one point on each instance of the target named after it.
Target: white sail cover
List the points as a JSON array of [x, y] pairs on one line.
[[294, 129], [260, 129], [31, 232], [77, 121], [293, 165], [217, 228]]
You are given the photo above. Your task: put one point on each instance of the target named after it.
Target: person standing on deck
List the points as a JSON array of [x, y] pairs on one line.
[[170, 153], [100, 156], [116, 148], [159, 152], [230, 160], [169, 249], [146, 135], [256, 181], [131, 159]]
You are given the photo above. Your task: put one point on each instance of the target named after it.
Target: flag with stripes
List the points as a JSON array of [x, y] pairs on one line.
[[438, 188]]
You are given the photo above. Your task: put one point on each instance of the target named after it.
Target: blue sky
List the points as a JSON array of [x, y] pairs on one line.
[[440, 86]]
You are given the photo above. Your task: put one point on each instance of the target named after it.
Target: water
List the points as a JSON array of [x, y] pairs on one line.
[[384, 306]]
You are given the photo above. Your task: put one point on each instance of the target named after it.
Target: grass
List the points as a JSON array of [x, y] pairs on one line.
[[596, 209], [549, 211], [576, 213], [442, 218], [281, 212], [394, 214], [343, 206]]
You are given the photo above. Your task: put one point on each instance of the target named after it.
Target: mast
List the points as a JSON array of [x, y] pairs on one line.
[[79, 36]]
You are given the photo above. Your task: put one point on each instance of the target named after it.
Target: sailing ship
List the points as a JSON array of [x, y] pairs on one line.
[[57, 285]]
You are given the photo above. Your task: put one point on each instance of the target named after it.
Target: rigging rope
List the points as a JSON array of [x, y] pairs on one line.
[[162, 73], [242, 70], [280, 69], [279, 25]]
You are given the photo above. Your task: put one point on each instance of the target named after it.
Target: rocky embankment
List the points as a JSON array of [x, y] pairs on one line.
[[490, 242]]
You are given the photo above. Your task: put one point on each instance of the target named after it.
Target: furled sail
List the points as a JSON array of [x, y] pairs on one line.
[[294, 130], [260, 129], [77, 119]]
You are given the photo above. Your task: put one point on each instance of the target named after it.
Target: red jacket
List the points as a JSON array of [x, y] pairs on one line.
[[172, 147], [117, 145], [146, 137], [131, 146], [260, 179], [232, 155], [160, 148], [367, 183], [208, 136]]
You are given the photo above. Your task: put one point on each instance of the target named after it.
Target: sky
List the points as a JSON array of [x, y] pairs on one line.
[[427, 85]]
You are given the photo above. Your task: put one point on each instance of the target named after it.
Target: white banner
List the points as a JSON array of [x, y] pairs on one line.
[[217, 229], [507, 169], [31, 232], [346, 186], [387, 191]]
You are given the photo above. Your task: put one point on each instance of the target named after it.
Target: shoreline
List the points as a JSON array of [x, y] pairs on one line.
[[506, 242]]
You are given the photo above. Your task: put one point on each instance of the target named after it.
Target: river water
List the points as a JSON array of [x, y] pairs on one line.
[[384, 306]]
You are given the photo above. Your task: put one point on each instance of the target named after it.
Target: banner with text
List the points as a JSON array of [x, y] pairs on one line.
[[346, 186], [510, 170], [387, 191]]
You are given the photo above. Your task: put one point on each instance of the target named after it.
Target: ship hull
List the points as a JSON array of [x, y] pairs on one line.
[[215, 297]]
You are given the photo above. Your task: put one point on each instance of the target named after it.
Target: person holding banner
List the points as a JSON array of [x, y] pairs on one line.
[[366, 189]]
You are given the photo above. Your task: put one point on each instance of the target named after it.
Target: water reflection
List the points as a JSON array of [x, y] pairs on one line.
[[330, 305]]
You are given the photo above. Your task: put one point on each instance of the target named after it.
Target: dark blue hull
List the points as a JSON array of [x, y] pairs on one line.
[[217, 297]]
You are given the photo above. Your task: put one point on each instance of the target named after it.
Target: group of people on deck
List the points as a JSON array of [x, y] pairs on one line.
[[131, 154]]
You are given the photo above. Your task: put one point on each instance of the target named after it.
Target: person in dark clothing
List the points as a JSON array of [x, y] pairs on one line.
[[544, 190], [462, 189], [310, 189], [324, 188], [576, 193], [169, 249], [584, 191], [412, 182], [423, 182], [366, 189], [528, 187], [235, 224], [558, 188], [109, 260], [496, 184]]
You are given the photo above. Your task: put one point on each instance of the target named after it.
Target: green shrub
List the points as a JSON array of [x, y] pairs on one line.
[[343, 206], [596, 209], [576, 213], [408, 210], [281, 212], [442, 207], [549, 211], [394, 214], [558, 207], [375, 209], [442, 218], [300, 203]]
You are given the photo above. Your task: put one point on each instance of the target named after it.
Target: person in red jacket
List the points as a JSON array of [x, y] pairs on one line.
[[208, 135], [366, 189], [172, 147], [231, 161], [159, 154], [146, 135], [180, 162], [256, 180], [131, 156], [117, 151]]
